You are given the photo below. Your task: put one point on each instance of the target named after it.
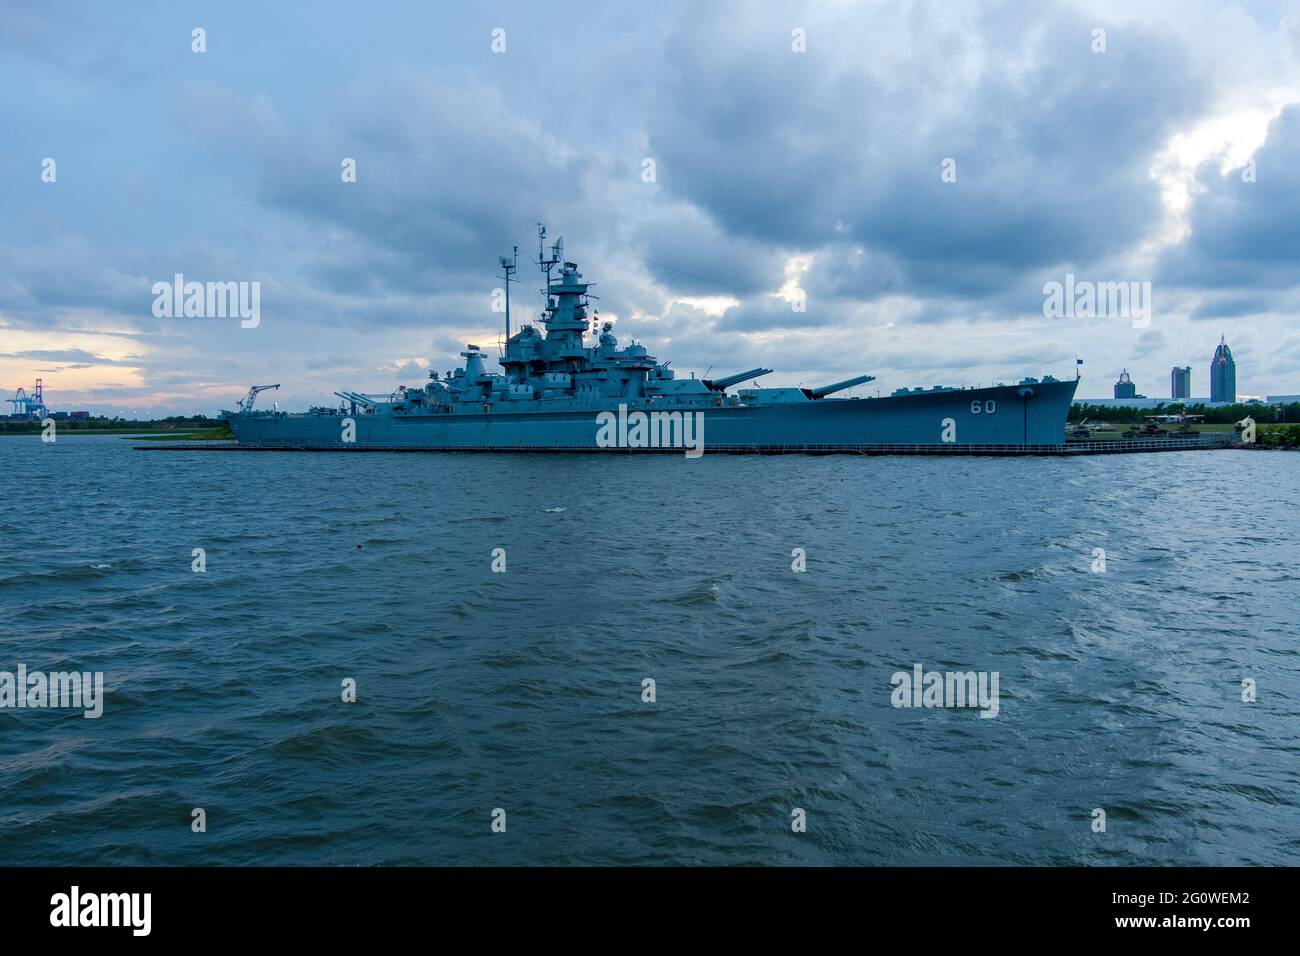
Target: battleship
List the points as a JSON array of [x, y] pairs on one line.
[[559, 390]]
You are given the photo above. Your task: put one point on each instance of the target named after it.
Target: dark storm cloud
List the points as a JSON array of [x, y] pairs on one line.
[[1246, 234], [684, 249], [66, 273], [1052, 142], [1237, 304], [447, 177], [770, 312]]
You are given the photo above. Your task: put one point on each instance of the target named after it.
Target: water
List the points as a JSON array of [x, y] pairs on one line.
[[522, 690]]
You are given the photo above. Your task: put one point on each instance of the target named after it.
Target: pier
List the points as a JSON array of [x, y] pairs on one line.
[[1200, 442]]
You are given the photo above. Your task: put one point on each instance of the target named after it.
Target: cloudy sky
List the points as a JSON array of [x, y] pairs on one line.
[[798, 150]]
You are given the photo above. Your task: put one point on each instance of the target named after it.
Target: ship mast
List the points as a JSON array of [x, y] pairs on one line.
[[508, 269], [546, 265]]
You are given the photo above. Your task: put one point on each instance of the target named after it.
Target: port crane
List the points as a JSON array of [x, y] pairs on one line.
[[29, 406], [246, 403]]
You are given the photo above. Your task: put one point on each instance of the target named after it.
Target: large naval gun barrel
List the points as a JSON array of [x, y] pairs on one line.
[[357, 399], [840, 386], [722, 384]]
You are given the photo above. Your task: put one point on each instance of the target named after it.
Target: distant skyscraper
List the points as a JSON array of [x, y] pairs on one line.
[[1125, 388], [1223, 374], [1180, 382]]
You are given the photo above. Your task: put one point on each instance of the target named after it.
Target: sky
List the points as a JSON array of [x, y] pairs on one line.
[[823, 188]]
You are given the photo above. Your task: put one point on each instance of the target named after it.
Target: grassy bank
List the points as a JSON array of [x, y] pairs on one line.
[[1278, 436], [116, 426]]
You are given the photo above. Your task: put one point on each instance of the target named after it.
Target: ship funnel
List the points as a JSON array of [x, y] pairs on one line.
[[722, 384], [840, 386]]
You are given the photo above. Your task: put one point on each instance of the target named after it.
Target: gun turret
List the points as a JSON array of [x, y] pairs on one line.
[[722, 384], [840, 386]]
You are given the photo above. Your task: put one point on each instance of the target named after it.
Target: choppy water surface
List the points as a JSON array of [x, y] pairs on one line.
[[523, 690]]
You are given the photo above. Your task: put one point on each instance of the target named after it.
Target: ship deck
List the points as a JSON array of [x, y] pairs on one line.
[[1200, 442]]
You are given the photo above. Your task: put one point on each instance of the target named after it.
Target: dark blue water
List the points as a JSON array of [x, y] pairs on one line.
[[522, 690]]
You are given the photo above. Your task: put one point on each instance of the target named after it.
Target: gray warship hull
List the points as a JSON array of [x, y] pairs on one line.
[[560, 390], [1005, 417]]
